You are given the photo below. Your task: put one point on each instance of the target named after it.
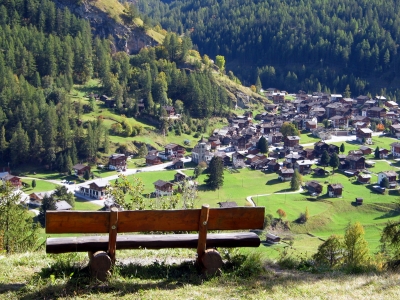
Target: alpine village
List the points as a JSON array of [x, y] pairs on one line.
[[215, 149]]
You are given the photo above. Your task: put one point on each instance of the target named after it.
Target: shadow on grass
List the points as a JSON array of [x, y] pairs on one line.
[[389, 214], [273, 181]]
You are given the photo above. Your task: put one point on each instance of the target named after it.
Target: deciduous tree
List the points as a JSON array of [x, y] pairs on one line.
[[355, 246]]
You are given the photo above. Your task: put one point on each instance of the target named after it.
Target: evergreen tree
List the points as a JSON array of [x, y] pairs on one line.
[[385, 183], [334, 161], [48, 203], [86, 175], [295, 181], [325, 158], [33, 183], [142, 151], [376, 154], [3, 142], [342, 148], [215, 178], [262, 145], [18, 232]]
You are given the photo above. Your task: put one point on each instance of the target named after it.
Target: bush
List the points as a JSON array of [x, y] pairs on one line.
[[196, 135]]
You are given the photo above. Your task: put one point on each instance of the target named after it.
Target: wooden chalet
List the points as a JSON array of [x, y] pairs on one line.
[[354, 162], [170, 110], [383, 153], [320, 147], [174, 149], [364, 134], [178, 164], [273, 166], [13, 180], [163, 188], [180, 176], [395, 147], [319, 171], [395, 130], [304, 166], [80, 169], [376, 112], [308, 153], [314, 187], [62, 205], [290, 142], [285, 174], [96, 190], [335, 190], [366, 150], [117, 162], [364, 178], [152, 160], [391, 177]]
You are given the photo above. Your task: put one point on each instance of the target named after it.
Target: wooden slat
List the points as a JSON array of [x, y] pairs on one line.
[[100, 243], [77, 222], [203, 221], [112, 236], [235, 218]]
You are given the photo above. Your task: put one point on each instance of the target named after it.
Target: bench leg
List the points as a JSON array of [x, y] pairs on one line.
[[211, 262], [100, 265]]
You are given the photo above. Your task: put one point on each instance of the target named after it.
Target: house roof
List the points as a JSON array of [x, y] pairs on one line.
[[293, 137], [365, 130], [287, 171], [313, 183], [304, 162], [62, 205], [79, 167], [117, 155], [160, 183], [389, 173], [336, 186]]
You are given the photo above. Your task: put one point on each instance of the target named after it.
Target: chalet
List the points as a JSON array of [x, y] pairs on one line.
[[333, 149], [80, 169], [226, 140], [392, 115], [273, 166], [395, 147], [177, 164], [174, 150], [365, 150], [275, 138], [314, 187], [308, 153], [170, 110], [376, 112], [293, 157], [390, 175], [226, 160], [310, 125], [227, 204], [36, 199], [117, 162], [364, 178], [359, 201], [62, 205], [239, 142], [383, 153], [335, 190], [319, 172], [320, 147], [180, 176], [290, 142], [304, 166], [13, 180], [251, 158], [108, 102], [391, 105], [238, 160], [96, 190], [152, 160], [253, 150], [364, 134], [272, 238], [163, 188], [285, 174], [339, 121], [354, 162], [362, 99]]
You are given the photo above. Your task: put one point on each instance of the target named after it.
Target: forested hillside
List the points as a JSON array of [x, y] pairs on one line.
[[46, 51], [290, 44]]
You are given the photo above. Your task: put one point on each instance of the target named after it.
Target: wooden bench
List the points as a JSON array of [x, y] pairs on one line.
[[102, 249]]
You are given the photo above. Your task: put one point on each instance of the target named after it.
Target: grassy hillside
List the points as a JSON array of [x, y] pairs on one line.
[[151, 275]]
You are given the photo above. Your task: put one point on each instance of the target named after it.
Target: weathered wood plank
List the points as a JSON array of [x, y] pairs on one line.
[[97, 243], [203, 221], [112, 236], [235, 218]]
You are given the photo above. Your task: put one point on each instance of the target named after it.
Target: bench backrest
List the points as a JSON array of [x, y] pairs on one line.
[[235, 218]]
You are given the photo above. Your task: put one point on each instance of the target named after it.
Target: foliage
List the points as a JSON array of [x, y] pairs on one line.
[[62, 193], [48, 203], [199, 169], [215, 178], [289, 129], [342, 148], [262, 145], [33, 183], [281, 213], [376, 153], [122, 188], [86, 175], [18, 232], [356, 247], [220, 62], [390, 243], [296, 180], [385, 182], [334, 161], [143, 151], [325, 158], [330, 253]]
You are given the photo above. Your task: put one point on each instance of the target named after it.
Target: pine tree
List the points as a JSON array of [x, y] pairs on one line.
[[262, 145], [33, 183], [48, 203], [377, 154], [342, 148], [334, 161], [295, 181], [86, 175], [215, 177], [325, 158]]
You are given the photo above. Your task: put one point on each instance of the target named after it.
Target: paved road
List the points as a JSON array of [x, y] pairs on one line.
[[342, 138]]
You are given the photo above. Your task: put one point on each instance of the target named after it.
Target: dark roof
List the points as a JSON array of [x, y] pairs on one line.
[[62, 205], [313, 183], [79, 167], [160, 183]]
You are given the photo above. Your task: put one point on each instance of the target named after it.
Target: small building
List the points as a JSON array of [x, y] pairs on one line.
[[390, 175], [314, 187], [152, 160], [174, 149], [163, 188], [170, 110], [319, 171], [272, 238], [335, 190], [178, 164], [364, 134], [13, 180], [395, 147], [35, 199], [290, 142], [96, 189], [80, 169], [365, 150], [63, 205], [180, 176], [117, 161], [364, 178], [285, 174], [359, 201], [304, 166], [383, 153], [227, 204]]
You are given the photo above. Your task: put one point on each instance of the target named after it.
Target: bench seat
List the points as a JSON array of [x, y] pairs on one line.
[[159, 241]]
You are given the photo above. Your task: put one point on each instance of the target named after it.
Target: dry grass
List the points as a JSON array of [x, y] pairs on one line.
[[40, 276]]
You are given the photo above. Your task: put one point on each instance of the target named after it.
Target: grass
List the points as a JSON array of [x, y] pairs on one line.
[[86, 205], [41, 186], [40, 276]]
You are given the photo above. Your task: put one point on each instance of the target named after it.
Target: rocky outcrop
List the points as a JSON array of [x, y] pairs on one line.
[[128, 39]]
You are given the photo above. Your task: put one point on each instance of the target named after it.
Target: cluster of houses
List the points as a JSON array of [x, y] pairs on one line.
[[172, 152]]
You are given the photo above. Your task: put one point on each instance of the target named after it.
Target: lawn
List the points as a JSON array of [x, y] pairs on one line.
[[41, 186], [81, 204]]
